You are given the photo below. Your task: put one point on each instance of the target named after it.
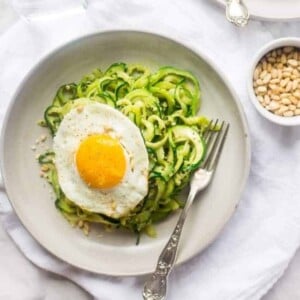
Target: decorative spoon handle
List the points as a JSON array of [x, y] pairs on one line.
[[237, 12]]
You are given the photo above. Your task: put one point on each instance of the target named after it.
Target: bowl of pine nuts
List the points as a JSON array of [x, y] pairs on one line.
[[274, 81]]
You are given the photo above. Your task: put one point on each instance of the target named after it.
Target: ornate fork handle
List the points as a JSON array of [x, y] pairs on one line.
[[156, 287]]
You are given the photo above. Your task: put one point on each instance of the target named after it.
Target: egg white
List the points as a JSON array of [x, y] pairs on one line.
[[96, 118]]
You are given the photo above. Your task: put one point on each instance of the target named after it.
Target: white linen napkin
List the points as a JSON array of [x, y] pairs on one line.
[[256, 246]]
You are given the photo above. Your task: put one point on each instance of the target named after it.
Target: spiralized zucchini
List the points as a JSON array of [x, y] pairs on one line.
[[163, 105]]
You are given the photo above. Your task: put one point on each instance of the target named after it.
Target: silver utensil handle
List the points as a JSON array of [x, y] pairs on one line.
[[237, 12], [156, 287]]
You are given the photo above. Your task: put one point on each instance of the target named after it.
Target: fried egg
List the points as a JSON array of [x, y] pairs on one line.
[[101, 160]]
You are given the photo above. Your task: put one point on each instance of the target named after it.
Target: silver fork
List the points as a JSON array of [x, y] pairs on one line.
[[156, 286]]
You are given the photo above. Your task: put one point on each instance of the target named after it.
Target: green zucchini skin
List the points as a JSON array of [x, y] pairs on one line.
[[163, 105]]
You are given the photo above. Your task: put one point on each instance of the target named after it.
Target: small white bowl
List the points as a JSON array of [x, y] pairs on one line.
[[282, 42]]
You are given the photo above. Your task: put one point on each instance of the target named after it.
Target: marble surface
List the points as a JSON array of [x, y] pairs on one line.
[[18, 276]]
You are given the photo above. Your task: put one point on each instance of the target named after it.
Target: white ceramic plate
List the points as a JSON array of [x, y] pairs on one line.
[[116, 253], [276, 10]]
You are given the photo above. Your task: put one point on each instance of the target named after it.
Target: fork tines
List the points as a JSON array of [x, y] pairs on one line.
[[214, 138]]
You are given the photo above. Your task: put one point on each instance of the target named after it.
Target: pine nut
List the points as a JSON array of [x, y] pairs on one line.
[[287, 69], [292, 107], [256, 74], [288, 86], [296, 94], [263, 74], [274, 106], [296, 72], [260, 99], [261, 89], [297, 112], [267, 99], [286, 101], [44, 168], [274, 73], [259, 82], [283, 109], [286, 74], [278, 113], [293, 62], [295, 84], [276, 81], [284, 82], [267, 78], [288, 49], [269, 68], [296, 56], [293, 100], [43, 138], [280, 66], [283, 59], [271, 59], [288, 113], [275, 97], [285, 95], [264, 65], [79, 109]]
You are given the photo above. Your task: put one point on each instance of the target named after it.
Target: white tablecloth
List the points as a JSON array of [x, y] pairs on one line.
[[259, 241]]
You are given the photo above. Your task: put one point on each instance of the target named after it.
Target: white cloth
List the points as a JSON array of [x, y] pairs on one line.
[[257, 244]]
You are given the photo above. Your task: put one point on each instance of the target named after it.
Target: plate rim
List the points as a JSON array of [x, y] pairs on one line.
[[198, 53], [263, 17]]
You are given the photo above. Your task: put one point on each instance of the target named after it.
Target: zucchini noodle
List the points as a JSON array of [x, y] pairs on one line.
[[163, 105]]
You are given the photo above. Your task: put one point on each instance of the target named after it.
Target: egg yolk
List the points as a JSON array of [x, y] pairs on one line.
[[101, 161]]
